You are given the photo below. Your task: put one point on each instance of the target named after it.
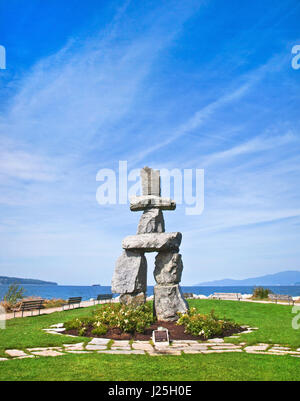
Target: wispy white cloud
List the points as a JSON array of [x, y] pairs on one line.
[[231, 95], [19, 164], [258, 144]]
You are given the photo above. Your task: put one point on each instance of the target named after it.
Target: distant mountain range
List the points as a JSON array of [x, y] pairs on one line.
[[290, 277], [15, 280]]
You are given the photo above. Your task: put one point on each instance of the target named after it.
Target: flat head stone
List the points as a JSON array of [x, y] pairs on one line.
[[154, 242], [144, 202]]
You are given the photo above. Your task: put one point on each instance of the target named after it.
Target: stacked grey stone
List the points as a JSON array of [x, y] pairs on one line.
[[130, 275]]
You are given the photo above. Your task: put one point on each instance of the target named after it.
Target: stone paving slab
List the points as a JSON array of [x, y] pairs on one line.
[[219, 351], [262, 353], [185, 342], [191, 351], [120, 343], [71, 351], [15, 353], [100, 341], [225, 347], [283, 352], [95, 347], [47, 353], [178, 345], [122, 352], [216, 340], [164, 352], [25, 356], [145, 347], [78, 346], [44, 349], [256, 347]]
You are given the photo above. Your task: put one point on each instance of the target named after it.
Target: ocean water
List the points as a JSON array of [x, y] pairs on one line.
[[87, 292]]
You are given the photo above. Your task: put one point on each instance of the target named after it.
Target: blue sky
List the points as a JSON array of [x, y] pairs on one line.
[[193, 84]]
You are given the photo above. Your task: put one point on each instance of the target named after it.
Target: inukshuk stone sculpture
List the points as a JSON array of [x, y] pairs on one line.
[[130, 275]]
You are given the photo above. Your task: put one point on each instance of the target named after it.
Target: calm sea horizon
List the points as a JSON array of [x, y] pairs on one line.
[[87, 292]]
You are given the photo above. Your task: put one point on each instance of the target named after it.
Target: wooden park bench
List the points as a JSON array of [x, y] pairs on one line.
[[103, 297], [73, 301], [188, 295], [227, 295], [281, 297], [31, 305]]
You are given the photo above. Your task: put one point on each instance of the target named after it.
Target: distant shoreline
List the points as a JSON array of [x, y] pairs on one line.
[[5, 280]]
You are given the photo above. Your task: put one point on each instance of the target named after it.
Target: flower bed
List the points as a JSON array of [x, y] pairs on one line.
[[122, 322]]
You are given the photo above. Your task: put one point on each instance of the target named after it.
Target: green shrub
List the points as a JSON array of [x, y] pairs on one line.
[[79, 323], [13, 296], [99, 330], [128, 319], [207, 326], [261, 292]]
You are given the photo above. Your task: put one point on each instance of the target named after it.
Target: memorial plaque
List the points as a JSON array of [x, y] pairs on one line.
[[160, 336]]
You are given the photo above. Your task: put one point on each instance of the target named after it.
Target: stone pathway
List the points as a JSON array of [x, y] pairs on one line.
[[125, 347]]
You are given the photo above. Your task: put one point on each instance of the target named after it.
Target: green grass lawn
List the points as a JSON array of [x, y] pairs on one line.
[[274, 323]]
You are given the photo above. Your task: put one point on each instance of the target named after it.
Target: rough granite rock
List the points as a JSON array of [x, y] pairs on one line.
[[130, 275], [134, 299], [168, 300], [151, 201], [154, 242], [151, 221], [150, 181], [168, 268]]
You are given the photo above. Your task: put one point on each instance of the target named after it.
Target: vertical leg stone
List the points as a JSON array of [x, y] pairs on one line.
[[134, 299], [168, 268], [130, 276], [168, 300]]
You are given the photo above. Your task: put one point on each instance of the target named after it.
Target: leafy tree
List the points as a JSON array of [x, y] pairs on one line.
[[14, 294]]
